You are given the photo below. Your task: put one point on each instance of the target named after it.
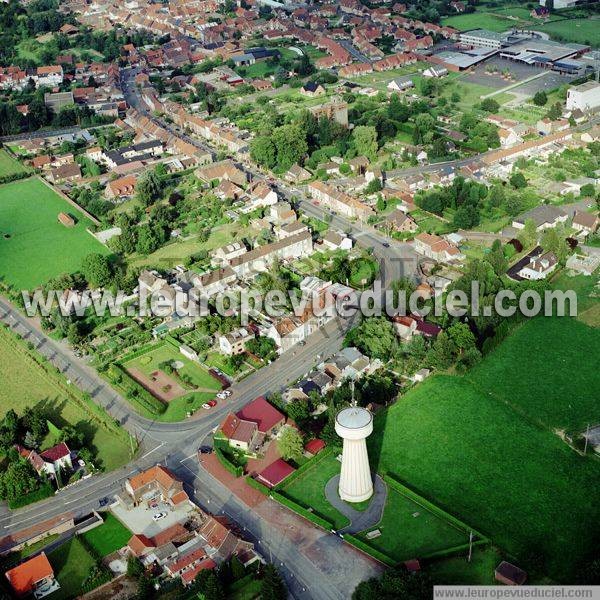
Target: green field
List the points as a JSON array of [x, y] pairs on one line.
[[473, 455], [483, 20], [309, 490], [532, 387], [581, 31], [409, 530], [34, 246], [71, 563], [10, 165], [108, 537], [25, 383]]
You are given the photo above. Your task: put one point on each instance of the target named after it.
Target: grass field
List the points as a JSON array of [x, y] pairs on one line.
[[25, 383], [456, 570], [109, 537], [483, 20], [532, 387], [71, 563], [581, 31], [38, 247], [410, 531], [308, 490], [473, 455], [10, 165]]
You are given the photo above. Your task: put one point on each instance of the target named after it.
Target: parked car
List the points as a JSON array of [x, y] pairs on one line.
[[159, 516], [209, 404], [104, 501], [221, 396], [205, 450]]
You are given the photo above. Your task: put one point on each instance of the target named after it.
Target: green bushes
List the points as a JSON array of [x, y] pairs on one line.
[[235, 470], [257, 485], [303, 512], [45, 491]]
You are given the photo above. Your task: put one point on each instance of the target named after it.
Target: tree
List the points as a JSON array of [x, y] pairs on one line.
[[97, 270], [393, 584], [272, 586], [540, 98], [424, 128], [497, 259], [290, 444], [518, 181], [134, 567], [364, 138], [529, 234], [263, 151], [149, 188], [490, 105], [290, 144], [374, 337], [442, 352], [462, 336], [298, 410]]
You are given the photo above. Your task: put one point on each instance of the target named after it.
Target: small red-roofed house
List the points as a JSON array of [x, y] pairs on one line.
[[275, 473], [314, 446], [31, 575]]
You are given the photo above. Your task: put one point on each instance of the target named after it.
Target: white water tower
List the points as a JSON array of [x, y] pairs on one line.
[[354, 425]]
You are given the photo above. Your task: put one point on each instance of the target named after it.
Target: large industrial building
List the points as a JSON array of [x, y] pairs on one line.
[[584, 97]]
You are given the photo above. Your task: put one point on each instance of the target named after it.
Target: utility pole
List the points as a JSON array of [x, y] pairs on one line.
[[587, 433]]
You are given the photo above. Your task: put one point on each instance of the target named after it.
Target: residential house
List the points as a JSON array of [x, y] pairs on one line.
[[339, 201], [67, 172], [156, 482], [400, 222], [312, 90], [34, 576], [297, 174], [544, 216], [224, 170], [334, 240], [539, 267], [437, 248], [585, 223], [225, 254], [235, 341], [260, 196], [400, 84], [49, 461], [121, 188]]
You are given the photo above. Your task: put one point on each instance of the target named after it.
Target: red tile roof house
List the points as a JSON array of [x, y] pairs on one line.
[[157, 479], [252, 424], [49, 461], [314, 447], [34, 575]]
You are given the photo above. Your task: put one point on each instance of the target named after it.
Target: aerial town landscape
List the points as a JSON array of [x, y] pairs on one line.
[[298, 299]]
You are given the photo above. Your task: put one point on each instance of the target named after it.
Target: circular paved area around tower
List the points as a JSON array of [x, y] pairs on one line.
[[359, 519]]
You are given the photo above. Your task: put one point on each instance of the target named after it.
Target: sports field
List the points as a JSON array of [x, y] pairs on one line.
[[25, 383], [34, 246], [203, 386], [580, 31], [9, 165]]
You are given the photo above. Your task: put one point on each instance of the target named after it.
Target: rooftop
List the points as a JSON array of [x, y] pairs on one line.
[[354, 417]]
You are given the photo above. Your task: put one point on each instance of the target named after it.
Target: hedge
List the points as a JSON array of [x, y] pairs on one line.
[[303, 468], [144, 398], [432, 508], [364, 547], [14, 177], [140, 352], [303, 512], [235, 470], [453, 551], [43, 492], [257, 485]]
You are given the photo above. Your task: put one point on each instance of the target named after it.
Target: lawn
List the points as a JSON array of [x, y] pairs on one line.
[[10, 165], [409, 530], [25, 383], [71, 563], [538, 387], [34, 246], [486, 20], [476, 457], [308, 490], [457, 570], [108, 537]]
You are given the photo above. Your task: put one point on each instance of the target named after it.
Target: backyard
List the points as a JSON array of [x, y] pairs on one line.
[[26, 383], [9, 165], [108, 537], [71, 563], [34, 246]]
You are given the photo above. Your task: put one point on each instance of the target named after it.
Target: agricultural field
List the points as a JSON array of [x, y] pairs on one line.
[[409, 530], [108, 537], [489, 465], [10, 165], [34, 246], [25, 383]]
